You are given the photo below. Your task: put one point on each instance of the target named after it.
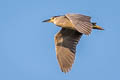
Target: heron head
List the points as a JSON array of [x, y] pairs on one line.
[[51, 20]]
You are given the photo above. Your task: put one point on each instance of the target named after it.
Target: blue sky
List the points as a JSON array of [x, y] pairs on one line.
[[27, 50]]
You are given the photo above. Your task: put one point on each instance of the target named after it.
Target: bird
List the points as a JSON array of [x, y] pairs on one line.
[[73, 26]]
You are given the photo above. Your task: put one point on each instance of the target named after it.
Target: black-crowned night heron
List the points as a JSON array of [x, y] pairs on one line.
[[73, 26]]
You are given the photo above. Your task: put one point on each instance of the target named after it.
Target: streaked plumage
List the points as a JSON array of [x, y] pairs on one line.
[[73, 26]]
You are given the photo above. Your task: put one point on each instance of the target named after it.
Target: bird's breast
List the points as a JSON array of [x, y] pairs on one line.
[[65, 24]]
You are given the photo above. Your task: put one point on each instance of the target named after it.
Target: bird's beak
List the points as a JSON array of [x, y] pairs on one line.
[[48, 20]]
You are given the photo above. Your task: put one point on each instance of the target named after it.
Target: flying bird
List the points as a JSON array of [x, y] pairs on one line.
[[73, 27]]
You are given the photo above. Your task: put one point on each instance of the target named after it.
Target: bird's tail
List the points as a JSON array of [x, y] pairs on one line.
[[97, 27]]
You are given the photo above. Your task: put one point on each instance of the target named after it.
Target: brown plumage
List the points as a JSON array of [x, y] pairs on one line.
[[66, 41], [73, 26]]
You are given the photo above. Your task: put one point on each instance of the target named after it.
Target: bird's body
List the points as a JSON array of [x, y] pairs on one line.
[[63, 22], [73, 26]]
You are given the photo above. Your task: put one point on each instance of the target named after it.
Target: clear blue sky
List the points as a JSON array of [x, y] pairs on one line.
[[27, 45]]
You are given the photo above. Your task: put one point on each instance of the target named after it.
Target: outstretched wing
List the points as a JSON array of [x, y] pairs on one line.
[[81, 23], [65, 42]]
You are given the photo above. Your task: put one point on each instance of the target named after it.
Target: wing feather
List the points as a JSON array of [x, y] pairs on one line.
[[81, 22], [65, 42]]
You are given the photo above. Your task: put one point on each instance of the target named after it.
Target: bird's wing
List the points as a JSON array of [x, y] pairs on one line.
[[81, 23], [65, 42]]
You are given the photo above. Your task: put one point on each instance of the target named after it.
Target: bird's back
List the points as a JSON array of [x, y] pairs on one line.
[[64, 22]]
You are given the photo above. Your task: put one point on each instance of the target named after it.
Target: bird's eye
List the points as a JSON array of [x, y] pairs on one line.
[[52, 18]]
